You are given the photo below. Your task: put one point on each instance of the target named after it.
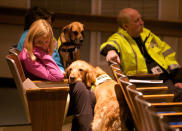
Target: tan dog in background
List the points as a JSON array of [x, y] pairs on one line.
[[109, 113], [70, 41]]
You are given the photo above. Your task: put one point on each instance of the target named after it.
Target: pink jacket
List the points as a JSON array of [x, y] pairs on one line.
[[44, 67]]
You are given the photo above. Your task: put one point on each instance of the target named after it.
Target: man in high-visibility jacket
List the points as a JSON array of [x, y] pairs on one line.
[[138, 50]]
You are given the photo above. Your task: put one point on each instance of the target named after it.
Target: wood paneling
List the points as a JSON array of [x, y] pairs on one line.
[[93, 22]]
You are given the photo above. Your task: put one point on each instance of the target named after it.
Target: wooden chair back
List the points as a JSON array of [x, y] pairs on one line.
[[168, 115], [148, 95], [157, 123], [168, 110], [174, 121], [45, 106], [117, 72], [130, 103], [19, 77], [141, 104], [153, 90], [14, 51]]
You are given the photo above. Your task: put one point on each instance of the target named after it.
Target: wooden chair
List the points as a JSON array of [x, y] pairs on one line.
[[157, 122], [14, 51], [131, 104], [168, 115], [42, 83], [45, 107], [19, 77], [117, 73], [123, 82], [173, 120], [144, 76], [143, 105], [116, 70], [131, 93]]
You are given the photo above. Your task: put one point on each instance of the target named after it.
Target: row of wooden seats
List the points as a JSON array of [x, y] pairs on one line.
[[152, 107], [46, 105]]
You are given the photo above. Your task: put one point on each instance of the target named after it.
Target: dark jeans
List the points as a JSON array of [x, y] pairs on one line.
[[82, 102]]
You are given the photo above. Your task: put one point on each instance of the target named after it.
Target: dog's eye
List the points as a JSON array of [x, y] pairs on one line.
[[80, 69], [82, 33], [75, 32]]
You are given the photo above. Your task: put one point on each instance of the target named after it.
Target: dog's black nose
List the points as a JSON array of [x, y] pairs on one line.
[[72, 78], [81, 41]]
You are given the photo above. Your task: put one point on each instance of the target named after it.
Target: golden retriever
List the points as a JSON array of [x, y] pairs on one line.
[[70, 41], [108, 113]]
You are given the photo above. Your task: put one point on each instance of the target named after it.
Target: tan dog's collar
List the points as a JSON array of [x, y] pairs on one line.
[[102, 78]]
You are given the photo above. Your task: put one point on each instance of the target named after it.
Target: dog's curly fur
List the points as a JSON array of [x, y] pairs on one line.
[[109, 113]]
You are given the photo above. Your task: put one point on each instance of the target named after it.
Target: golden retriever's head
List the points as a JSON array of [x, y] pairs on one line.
[[74, 32], [81, 71]]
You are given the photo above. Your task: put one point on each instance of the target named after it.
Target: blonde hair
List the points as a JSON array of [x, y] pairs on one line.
[[37, 29]]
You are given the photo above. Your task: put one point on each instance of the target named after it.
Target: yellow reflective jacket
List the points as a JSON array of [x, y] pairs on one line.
[[132, 61]]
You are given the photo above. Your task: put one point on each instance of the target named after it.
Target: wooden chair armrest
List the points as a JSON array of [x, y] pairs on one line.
[[152, 88], [144, 76], [166, 108], [176, 117], [171, 114], [172, 119], [43, 83], [47, 89], [176, 126], [159, 98], [167, 104]]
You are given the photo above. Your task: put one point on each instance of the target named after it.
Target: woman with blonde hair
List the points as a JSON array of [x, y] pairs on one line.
[[37, 61], [36, 56]]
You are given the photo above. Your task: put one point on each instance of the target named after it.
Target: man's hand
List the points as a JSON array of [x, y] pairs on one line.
[[112, 55], [179, 85]]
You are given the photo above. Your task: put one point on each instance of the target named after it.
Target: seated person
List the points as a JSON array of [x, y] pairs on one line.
[[36, 56], [32, 15], [36, 59], [139, 51]]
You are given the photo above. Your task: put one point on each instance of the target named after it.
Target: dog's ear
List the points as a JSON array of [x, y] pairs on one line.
[[67, 72], [83, 26], [65, 29], [90, 78]]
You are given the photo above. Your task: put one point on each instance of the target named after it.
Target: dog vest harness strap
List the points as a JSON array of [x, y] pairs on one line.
[[68, 49], [100, 79]]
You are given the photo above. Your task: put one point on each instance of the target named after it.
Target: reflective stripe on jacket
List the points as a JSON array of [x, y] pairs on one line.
[[132, 61], [59, 43]]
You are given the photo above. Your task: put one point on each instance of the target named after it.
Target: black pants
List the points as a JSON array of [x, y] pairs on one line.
[[82, 102]]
